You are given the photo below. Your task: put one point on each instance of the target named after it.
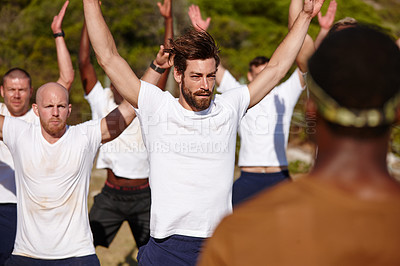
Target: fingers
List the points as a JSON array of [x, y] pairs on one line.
[[63, 9]]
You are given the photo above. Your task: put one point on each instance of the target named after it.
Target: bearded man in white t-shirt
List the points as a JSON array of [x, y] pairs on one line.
[[53, 163], [264, 130], [16, 90], [191, 140]]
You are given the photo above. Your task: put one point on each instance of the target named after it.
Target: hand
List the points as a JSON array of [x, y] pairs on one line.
[[165, 9], [326, 21], [312, 7], [162, 59], [56, 25], [195, 17]]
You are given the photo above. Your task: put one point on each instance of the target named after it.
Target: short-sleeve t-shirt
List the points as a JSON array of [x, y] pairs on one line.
[[264, 130], [192, 156], [52, 183], [7, 179]]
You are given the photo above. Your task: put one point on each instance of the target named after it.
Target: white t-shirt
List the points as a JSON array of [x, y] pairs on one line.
[[52, 187], [264, 130], [126, 155], [7, 179], [192, 157]]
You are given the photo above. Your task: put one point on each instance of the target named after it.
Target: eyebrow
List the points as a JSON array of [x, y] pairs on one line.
[[199, 73]]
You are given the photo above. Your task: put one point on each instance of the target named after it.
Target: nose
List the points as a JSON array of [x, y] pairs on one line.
[[204, 84], [17, 94], [55, 111]]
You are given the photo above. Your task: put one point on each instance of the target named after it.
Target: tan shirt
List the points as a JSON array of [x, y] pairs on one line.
[[307, 223]]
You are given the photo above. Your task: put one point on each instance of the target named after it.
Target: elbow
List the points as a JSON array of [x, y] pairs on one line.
[[69, 79], [105, 58]]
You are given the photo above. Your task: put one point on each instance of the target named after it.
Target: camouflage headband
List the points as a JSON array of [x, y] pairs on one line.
[[350, 117]]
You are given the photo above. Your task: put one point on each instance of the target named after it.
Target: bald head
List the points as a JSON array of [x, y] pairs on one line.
[[49, 89]]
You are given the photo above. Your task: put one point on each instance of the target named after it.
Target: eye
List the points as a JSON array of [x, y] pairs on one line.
[[195, 77]]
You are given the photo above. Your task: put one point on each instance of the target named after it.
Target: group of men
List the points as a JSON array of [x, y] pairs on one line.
[[345, 212]]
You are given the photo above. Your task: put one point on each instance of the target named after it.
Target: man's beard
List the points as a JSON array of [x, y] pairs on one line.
[[196, 103], [53, 130]]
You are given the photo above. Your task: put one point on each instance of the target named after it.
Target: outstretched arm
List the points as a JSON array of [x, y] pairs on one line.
[[166, 12], [200, 24], [116, 121], [325, 22], [63, 57], [86, 69], [116, 68], [285, 54], [308, 47]]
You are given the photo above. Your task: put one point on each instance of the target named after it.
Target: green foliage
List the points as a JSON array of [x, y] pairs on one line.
[[243, 29], [298, 167]]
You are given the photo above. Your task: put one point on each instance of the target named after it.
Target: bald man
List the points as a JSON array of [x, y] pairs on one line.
[[53, 164]]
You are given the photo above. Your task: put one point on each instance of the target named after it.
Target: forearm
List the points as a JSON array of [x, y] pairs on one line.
[[152, 76], [321, 36], [281, 60], [86, 69], [307, 48], [169, 34], [117, 121], [64, 64]]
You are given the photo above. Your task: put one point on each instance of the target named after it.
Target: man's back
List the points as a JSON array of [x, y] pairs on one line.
[[308, 222]]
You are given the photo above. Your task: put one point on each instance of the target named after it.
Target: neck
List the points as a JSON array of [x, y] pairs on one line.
[[357, 166]]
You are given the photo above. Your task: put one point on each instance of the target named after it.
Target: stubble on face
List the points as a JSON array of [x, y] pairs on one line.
[[199, 100], [53, 108]]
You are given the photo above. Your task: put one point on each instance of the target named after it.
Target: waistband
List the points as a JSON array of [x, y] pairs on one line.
[[146, 185]]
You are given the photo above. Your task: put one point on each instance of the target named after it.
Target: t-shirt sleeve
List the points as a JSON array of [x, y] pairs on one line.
[[228, 82], [101, 101], [92, 129], [150, 99], [12, 129], [238, 98]]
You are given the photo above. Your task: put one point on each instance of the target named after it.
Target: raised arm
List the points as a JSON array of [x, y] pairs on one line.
[[166, 12], [160, 64], [116, 68], [325, 22], [200, 24], [63, 57], [284, 56], [116, 121], [86, 69], [308, 47]]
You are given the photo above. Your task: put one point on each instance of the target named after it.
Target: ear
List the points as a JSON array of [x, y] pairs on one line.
[[249, 77], [177, 76], [69, 109], [35, 109], [31, 92], [2, 91], [311, 108]]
